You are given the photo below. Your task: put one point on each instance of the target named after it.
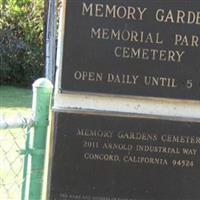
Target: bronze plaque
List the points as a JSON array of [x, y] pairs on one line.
[[131, 47], [125, 158]]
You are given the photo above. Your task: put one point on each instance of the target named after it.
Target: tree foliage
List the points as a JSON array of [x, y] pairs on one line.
[[21, 41]]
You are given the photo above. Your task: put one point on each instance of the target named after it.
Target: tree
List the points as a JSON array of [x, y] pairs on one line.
[[21, 41]]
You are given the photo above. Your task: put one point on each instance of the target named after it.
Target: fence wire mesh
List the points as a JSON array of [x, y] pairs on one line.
[[13, 134]]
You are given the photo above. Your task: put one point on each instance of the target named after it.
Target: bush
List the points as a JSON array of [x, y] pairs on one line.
[[21, 41]]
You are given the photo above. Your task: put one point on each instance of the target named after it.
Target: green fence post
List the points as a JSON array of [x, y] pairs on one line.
[[42, 93], [26, 171]]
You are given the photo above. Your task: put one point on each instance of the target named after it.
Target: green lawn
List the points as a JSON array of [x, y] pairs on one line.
[[14, 100]]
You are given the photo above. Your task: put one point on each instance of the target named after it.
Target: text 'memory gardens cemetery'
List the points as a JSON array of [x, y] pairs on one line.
[[112, 148], [117, 158]]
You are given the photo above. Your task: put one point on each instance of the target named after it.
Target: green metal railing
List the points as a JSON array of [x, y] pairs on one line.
[[31, 158], [34, 154]]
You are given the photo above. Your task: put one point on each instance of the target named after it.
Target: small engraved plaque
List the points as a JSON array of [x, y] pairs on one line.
[[117, 158]]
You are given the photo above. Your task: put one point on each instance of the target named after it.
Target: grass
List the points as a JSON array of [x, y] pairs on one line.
[[13, 101]]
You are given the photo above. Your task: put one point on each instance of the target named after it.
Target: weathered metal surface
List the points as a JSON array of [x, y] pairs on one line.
[[137, 48], [112, 157]]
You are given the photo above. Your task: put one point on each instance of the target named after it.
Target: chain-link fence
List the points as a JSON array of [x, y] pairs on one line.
[[22, 148], [13, 136]]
